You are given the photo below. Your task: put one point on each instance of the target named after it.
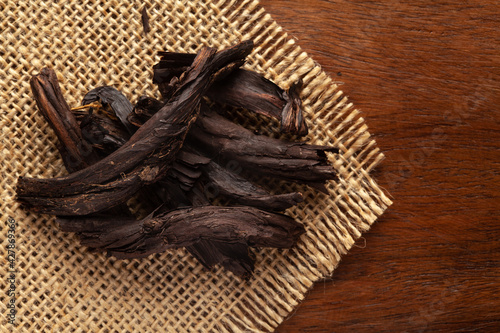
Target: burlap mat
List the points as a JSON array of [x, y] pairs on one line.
[[61, 286]]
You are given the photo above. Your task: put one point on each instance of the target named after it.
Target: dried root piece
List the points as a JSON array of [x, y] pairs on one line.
[[240, 88], [214, 234], [241, 191], [294, 161], [75, 150], [251, 91]]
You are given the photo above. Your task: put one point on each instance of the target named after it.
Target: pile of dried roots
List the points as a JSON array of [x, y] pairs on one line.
[[169, 154]]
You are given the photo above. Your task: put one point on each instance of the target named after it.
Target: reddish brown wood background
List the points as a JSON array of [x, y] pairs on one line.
[[426, 75]]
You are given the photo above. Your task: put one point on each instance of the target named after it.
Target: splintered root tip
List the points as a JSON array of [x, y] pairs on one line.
[[96, 105]]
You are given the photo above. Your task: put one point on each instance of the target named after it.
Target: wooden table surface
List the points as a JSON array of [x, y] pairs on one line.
[[426, 75]]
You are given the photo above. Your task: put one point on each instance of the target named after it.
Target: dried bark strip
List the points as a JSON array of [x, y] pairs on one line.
[[76, 152], [45, 88]]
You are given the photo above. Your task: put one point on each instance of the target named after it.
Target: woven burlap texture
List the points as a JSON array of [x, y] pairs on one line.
[[61, 286]]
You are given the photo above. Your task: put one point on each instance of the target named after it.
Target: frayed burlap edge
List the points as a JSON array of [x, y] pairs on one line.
[[61, 286]]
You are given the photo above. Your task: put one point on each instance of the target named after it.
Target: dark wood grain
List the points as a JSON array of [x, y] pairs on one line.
[[426, 75]]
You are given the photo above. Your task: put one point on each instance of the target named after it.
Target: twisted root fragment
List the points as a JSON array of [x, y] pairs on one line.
[[238, 189], [217, 235], [240, 88], [294, 161], [75, 150]]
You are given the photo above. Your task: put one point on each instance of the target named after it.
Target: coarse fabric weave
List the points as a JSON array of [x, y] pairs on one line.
[[58, 285]]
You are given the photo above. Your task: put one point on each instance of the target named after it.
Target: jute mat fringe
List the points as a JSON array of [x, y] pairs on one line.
[[61, 286]]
